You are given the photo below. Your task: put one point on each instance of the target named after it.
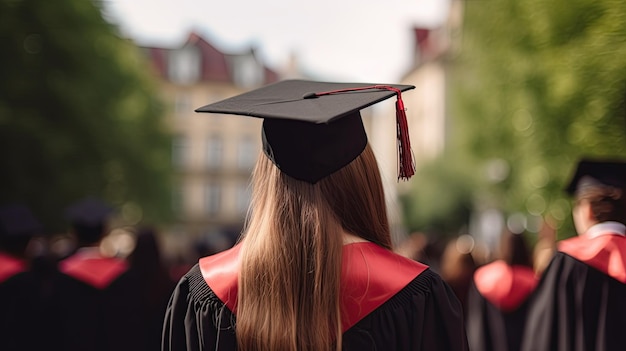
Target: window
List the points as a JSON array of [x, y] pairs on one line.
[[182, 105], [184, 65], [246, 153], [212, 198], [180, 151], [247, 71], [214, 151]]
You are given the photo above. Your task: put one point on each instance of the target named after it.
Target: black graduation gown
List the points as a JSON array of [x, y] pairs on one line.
[[96, 303], [21, 306], [498, 302], [424, 314], [580, 303]]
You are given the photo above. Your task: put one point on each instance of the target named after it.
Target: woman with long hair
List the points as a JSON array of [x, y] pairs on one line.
[[313, 269]]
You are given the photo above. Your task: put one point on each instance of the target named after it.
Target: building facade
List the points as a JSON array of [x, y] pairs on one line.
[[427, 113], [212, 155]]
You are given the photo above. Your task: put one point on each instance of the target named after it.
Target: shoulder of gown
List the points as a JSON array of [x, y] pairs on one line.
[[498, 300], [424, 315], [503, 285], [575, 307]]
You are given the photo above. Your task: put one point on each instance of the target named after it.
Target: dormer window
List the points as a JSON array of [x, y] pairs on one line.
[[184, 65], [247, 71]]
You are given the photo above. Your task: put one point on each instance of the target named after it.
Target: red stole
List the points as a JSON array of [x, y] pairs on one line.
[[505, 286], [93, 269], [10, 266], [606, 253], [371, 275]]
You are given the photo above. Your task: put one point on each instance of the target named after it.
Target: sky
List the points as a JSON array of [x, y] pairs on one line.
[[340, 40]]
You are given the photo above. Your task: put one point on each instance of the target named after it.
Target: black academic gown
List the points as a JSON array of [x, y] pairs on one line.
[[580, 303], [404, 306], [20, 305], [498, 301], [96, 304]]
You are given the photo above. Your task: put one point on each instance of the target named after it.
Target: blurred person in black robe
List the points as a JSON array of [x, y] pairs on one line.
[[314, 269], [153, 280], [498, 298], [580, 302], [22, 307], [458, 266], [96, 300]]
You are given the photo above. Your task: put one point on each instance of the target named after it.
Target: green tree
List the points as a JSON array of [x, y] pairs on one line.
[[79, 114], [441, 203], [539, 85]]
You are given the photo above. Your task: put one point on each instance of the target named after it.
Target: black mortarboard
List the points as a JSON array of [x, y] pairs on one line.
[[313, 129], [601, 172], [88, 212], [18, 221]]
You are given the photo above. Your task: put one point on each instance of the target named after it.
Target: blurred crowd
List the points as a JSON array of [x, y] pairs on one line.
[[102, 289], [60, 285], [493, 284], [92, 288]]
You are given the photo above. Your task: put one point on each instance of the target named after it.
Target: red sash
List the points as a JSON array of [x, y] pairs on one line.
[[94, 270], [371, 275], [505, 286], [10, 266], [606, 253]]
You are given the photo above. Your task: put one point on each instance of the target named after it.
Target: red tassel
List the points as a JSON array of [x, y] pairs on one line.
[[406, 167], [405, 154]]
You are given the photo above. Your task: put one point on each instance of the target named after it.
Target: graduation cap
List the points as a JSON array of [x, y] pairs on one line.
[[598, 172], [313, 129], [88, 212], [18, 221]]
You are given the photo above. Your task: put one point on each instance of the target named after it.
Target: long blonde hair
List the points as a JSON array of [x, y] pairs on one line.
[[289, 284]]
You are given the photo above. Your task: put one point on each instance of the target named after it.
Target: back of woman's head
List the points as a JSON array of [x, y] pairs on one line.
[[147, 252], [356, 196], [608, 203], [353, 195], [291, 255], [514, 250]]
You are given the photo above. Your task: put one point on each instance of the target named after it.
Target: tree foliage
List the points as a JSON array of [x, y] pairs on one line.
[[441, 203], [538, 84], [78, 113]]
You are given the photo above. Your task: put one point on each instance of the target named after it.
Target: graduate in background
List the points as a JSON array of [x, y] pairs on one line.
[[97, 302], [314, 269], [457, 267], [498, 298], [580, 303], [154, 283], [22, 307]]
